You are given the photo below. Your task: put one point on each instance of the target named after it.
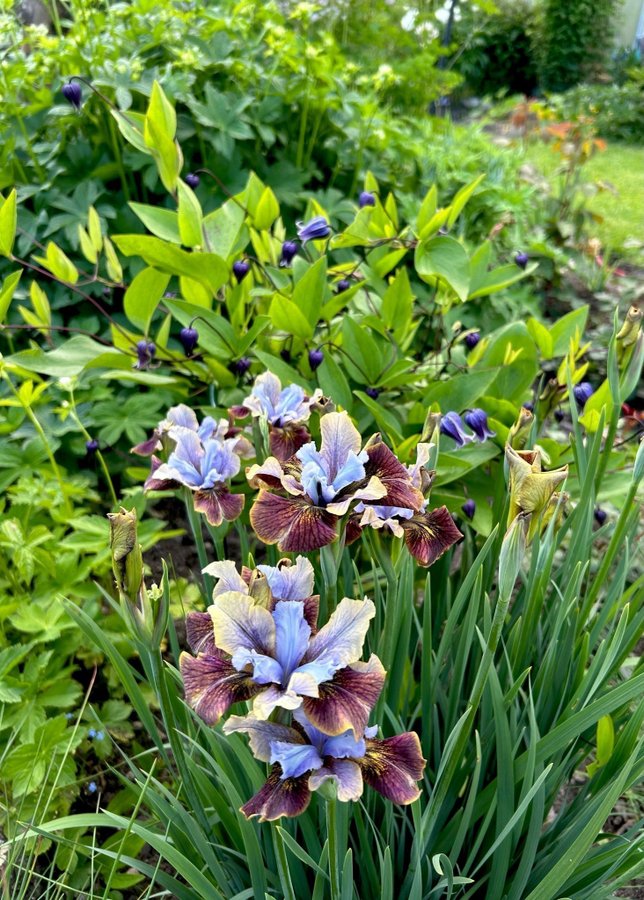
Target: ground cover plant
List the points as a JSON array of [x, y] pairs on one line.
[[393, 648]]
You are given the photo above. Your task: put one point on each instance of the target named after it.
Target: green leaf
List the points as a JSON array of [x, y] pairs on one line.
[[163, 223], [208, 268], [461, 198], [427, 209], [286, 374], [56, 262], [288, 317], [385, 420], [67, 360], [459, 392], [159, 129], [8, 224], [444, 258], [566, 328], [223, 227], [143, 296], [542, 338], [267, 210], [499, 278], [94, 229], [333, 382], [397, 302], [190, 216], [364, 360], [86, 245], [7, 291], [310, 291]]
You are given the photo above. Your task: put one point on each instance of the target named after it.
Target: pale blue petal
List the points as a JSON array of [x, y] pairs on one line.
[[295, 759], [352, 470], [290, 582], [342, 746], [340, 438], [292, 633], [266, 670], [181, 416]]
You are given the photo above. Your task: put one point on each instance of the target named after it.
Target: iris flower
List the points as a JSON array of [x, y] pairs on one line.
[[303, 758], [300, 504], [182, 416], [276, 657], [285, 409]]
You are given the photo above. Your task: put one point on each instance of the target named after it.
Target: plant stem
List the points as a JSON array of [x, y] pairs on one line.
[[197, 532], [332, 834]]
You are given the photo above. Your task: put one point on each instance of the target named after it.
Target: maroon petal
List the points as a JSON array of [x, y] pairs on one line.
[[148, 447], [386, 466], [293, 523], [353, 530], [289, 797], [158, 484], [212, 684], [346, 701], [239, 412], [200, 634], [393, 767], [429, 535], [285, 442], [219, 504]]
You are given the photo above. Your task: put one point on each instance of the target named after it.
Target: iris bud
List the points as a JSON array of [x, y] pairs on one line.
[[189, 338], [316, 358], [73, 93]]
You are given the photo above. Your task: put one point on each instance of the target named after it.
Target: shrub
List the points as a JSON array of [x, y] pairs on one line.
[[617, 110]]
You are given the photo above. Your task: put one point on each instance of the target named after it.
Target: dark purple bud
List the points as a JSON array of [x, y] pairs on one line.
[[472, 339], [289, 252], [152, 350], [452, 426], [529, 405], [366, 198], [560, 415], [241, 366], [192, 180], [600, 515], [372, 392], [583, 392], [316, 358], [73, 93], [145, 351], [522, 259], [315, 229], [285, 354], [477, 420], [241, 268], [343, 285], [189, 338], [469, 508], [91, 446]]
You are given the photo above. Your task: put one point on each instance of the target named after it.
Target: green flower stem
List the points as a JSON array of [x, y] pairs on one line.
[[218, 533], [99, 455], [43, 437], [332, 835], [282, 863], [197, 531]]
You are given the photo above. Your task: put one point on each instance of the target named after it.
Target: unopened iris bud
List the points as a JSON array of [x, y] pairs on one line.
[[91, 446], [72, 92], [477, 421], [189, 338], [518, 434], [316, 358], [241, 268], [127, 560], [522, 259], [372, 392], [583, 392], [600, 515], [469, 508], [241, 366], [315, 229], [192, 180], [289, 252], [366, 198], [472, 339], [343, 285], [629, 332], [512, 554]]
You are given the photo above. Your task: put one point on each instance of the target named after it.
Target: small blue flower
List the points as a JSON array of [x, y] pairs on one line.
[[452, 426], [469, 508], [472, 339], [91, 446], [69, 716], [477, 421], [522, 259], [289, 252], [583, 392], [91, 733], [366, 198], [92, 787], [99, 735], [315, 229]]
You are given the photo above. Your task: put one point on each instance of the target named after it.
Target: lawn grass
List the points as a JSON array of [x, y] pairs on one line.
[[621, 166]]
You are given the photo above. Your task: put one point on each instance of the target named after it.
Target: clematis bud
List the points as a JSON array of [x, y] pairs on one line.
[[472, 339], [372, 392], [192, 180], [452, 425], [316, 358], [343, 285], [145, 351], [469, 508], [600, 515], [241, 366], [289, 252], [241, 268], [189, 338], [366, 198], [91, 446], [477, 421], [522, 259], [583, 392], [73, 93], [559, 415], [315, 229]]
